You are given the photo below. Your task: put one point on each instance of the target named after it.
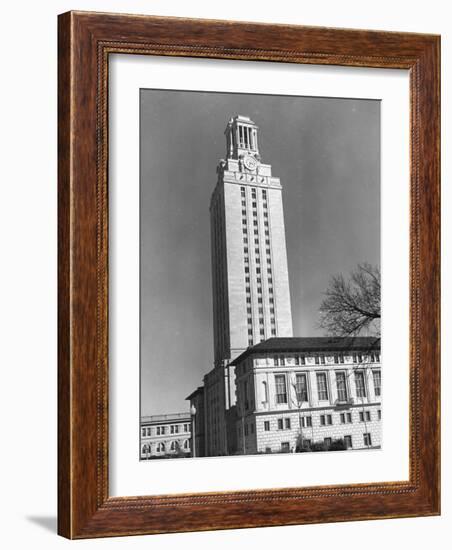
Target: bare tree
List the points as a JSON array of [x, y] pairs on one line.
[[352, 306]]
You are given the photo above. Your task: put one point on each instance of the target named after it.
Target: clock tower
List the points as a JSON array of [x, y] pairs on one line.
[[250, 281]]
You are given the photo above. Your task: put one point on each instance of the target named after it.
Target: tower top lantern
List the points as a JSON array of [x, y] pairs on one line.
[[241, 137]]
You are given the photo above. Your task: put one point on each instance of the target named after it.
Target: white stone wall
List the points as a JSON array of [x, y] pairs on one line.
[[279, 264], [238, 335], [261, 405]]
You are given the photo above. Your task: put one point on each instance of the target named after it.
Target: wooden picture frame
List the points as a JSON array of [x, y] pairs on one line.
[[85, 42]]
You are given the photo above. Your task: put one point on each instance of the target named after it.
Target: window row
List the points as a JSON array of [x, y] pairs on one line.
[[323, 389], [324, 420], [163, 447], [163, 430], [323, 359]]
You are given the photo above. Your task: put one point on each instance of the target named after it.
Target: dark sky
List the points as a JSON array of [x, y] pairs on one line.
[[326, 152]]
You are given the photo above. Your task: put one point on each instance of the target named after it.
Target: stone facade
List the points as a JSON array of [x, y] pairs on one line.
[[165, 435], [251, 298], [319, 391]]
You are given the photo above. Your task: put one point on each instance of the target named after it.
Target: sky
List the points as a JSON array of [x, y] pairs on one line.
[[326, 151]]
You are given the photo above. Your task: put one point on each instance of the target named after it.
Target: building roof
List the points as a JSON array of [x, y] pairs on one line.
[[311, 344], [199, 389], [162, 418]]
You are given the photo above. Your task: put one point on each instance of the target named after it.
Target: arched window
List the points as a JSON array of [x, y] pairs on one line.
[[146, 449], [161, 447], [173, 445], [186, 444]]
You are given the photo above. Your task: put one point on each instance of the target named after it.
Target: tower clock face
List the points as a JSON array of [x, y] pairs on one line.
[[250, 162]]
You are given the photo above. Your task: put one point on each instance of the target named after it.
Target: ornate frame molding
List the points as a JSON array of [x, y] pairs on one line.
[[85, 42]]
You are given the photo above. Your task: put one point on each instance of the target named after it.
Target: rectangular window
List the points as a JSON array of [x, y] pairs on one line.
[[342, 418], [287, 423], [349, 418], [285, 447], [322, 386], [273, 332], [246, 429], [341, 386], [281, 389], [275, 361], [361, 416], [329, 419], [348, 441], [327, 442], [368, 415], [301, 387], [252, 428], [360, 384], [268, 450], [377, 382], [309, 421], [322, 420], [280, 424], [149, 431], [267, 425], [143, 432], [379, 414], [367, 439]]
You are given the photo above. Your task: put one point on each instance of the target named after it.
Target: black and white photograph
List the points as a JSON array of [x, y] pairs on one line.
[[259, 274]]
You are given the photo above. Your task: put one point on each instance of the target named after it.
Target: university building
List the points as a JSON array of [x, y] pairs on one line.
[[165, 435], [296, 392], [269, 391]]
